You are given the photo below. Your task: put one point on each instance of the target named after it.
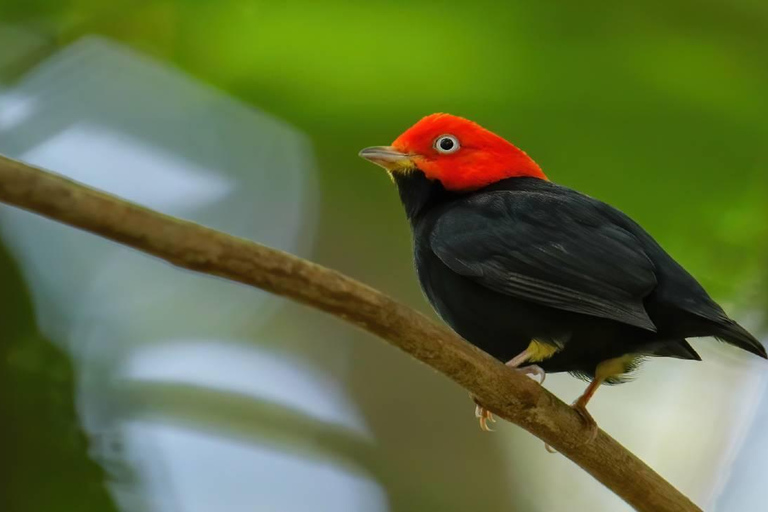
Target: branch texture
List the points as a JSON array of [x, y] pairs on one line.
[[510, 395]]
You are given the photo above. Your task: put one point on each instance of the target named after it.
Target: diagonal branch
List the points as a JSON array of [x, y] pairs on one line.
[[512, 396]]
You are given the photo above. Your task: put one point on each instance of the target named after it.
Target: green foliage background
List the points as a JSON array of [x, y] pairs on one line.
[[657, 107]]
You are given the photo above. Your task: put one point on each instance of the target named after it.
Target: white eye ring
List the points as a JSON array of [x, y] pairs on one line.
[[447, 144]]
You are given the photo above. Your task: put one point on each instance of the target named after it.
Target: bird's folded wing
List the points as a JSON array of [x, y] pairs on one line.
[[551, 250]]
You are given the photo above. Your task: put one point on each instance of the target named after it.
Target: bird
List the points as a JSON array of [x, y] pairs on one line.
[[542, 277]]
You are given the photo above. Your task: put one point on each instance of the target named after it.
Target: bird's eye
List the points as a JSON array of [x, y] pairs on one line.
[[447, 144]]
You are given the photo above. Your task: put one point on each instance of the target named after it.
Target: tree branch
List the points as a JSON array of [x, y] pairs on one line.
[[510, 395]]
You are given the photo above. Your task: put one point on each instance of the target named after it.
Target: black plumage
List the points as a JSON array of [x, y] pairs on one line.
[[525, 259]]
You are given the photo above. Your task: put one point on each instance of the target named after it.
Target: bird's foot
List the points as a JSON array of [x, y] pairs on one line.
[[484, 415], [581, 408], [589, 421], [533, 371]]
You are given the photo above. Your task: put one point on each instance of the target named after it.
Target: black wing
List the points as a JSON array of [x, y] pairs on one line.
[[553, 249]]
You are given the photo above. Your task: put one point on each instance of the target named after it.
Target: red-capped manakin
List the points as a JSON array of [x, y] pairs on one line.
[[538, 275]]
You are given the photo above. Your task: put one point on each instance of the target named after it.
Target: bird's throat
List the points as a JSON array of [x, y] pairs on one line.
[[418, 193]]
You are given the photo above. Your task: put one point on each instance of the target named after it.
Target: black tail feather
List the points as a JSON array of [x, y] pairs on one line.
[[679, 349], [736, 335]]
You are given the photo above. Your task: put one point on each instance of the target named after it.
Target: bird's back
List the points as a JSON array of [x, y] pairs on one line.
[[676, 304]]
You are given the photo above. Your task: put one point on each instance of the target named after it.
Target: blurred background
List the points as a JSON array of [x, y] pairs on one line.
[[129, 385]]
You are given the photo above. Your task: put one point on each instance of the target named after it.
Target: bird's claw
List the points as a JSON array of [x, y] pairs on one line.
[[484, 415], [589, 421], [587, 418], [534, 371]]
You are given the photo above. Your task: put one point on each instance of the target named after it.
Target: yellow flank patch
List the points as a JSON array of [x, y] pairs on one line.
[[615, 367], [540, 351]]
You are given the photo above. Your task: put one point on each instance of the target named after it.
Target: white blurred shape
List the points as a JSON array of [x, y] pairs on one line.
[[15, 109], [277, 378], [216, 474], [142, 173], [119, 121]]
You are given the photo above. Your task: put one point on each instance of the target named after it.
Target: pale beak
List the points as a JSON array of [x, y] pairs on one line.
[[388, 158]]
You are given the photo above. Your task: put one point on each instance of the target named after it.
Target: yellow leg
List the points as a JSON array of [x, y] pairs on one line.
[[604, 371], [534, 353]]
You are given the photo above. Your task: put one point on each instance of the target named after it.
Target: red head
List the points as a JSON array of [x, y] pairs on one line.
[[460, 154]]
